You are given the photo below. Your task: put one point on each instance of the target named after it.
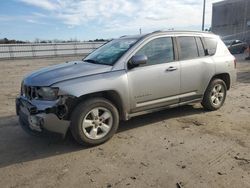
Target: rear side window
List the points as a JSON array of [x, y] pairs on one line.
[[200, 47], [158, 51], [211, 45], [188, 48]]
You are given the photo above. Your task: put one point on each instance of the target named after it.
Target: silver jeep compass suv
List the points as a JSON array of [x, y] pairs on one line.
[[126, 77]]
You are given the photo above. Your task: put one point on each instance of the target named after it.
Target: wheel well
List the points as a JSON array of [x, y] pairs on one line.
[[225, 77], [110, 95]]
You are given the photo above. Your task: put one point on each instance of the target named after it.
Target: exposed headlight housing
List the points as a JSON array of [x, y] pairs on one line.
[[47, 93]]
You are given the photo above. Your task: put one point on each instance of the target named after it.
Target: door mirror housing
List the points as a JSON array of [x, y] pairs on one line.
[[137, 60]]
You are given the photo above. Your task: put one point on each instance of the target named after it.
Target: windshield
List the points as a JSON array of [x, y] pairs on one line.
[[109, 53]]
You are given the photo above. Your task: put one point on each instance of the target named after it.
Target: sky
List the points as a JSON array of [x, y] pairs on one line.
[[91, 19]]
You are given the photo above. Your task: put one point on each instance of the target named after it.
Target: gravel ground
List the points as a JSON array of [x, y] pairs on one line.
[[184, 145]]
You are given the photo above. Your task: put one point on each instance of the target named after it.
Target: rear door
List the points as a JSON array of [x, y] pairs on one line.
[[195, 67]]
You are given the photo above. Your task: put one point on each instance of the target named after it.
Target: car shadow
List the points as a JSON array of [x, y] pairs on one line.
[[159, 116], [18, 147]]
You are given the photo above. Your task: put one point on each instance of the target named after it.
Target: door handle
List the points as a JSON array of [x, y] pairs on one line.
[[169, 69]]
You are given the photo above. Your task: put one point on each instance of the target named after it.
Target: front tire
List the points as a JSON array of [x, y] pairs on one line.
[[94, 121], [215, 95]]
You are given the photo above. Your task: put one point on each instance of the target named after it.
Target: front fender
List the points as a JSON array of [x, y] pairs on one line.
[[115, 80]]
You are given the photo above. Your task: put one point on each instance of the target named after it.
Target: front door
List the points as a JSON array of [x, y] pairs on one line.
[[157, 83]]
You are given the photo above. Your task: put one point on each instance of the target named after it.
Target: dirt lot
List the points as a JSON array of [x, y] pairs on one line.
[[186, 145]]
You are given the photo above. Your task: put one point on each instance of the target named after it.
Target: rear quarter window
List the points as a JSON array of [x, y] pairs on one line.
[[211, 45]]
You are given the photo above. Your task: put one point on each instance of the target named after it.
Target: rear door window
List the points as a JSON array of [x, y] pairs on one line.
[[188, 48], [211, 45]]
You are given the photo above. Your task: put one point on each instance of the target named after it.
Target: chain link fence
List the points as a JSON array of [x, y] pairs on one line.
[[31, 50]]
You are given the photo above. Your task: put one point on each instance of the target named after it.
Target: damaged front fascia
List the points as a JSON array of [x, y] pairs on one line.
[[60, 108]]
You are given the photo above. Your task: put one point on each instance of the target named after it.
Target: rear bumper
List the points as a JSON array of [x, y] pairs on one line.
[[36, 117]]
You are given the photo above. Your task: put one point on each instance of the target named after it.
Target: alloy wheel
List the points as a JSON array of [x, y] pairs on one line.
[[217, 94], [97, 123]]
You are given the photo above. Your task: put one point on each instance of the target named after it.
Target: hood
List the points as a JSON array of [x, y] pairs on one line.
[[69, 70]]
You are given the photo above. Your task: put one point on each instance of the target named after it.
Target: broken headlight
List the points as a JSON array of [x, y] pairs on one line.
[[47, 93]]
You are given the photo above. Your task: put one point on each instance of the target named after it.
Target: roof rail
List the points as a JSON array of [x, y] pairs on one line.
[[179, 31], [157, 31], [123, 36]]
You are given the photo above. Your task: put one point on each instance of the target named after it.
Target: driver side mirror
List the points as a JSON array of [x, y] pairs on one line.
[[137, 60]]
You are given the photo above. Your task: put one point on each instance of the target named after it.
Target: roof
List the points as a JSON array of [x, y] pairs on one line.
[[133, 36], [167, 32]]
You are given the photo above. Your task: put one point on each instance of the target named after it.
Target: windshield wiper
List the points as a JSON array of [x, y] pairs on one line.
[[95, 62], [91, 61]]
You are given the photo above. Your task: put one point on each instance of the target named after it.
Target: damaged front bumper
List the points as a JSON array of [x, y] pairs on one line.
[[40, 117]]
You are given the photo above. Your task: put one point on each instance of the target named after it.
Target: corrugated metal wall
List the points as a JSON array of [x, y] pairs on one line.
[[9, 51], [231, 19]]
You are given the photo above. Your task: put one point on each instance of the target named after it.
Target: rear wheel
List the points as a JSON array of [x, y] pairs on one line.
[[94, 121], [215, 95]]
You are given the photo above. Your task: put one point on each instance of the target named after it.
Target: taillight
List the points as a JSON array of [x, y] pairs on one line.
[[235, 63]]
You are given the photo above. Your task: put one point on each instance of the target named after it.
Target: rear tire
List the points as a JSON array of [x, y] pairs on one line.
[[215, 95], [94, 121]]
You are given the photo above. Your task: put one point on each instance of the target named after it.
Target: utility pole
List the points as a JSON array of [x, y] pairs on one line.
[[203, 17], [140, 31]]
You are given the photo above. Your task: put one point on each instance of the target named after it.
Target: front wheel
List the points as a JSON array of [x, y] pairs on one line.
[[215, 95], [94, 121]]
